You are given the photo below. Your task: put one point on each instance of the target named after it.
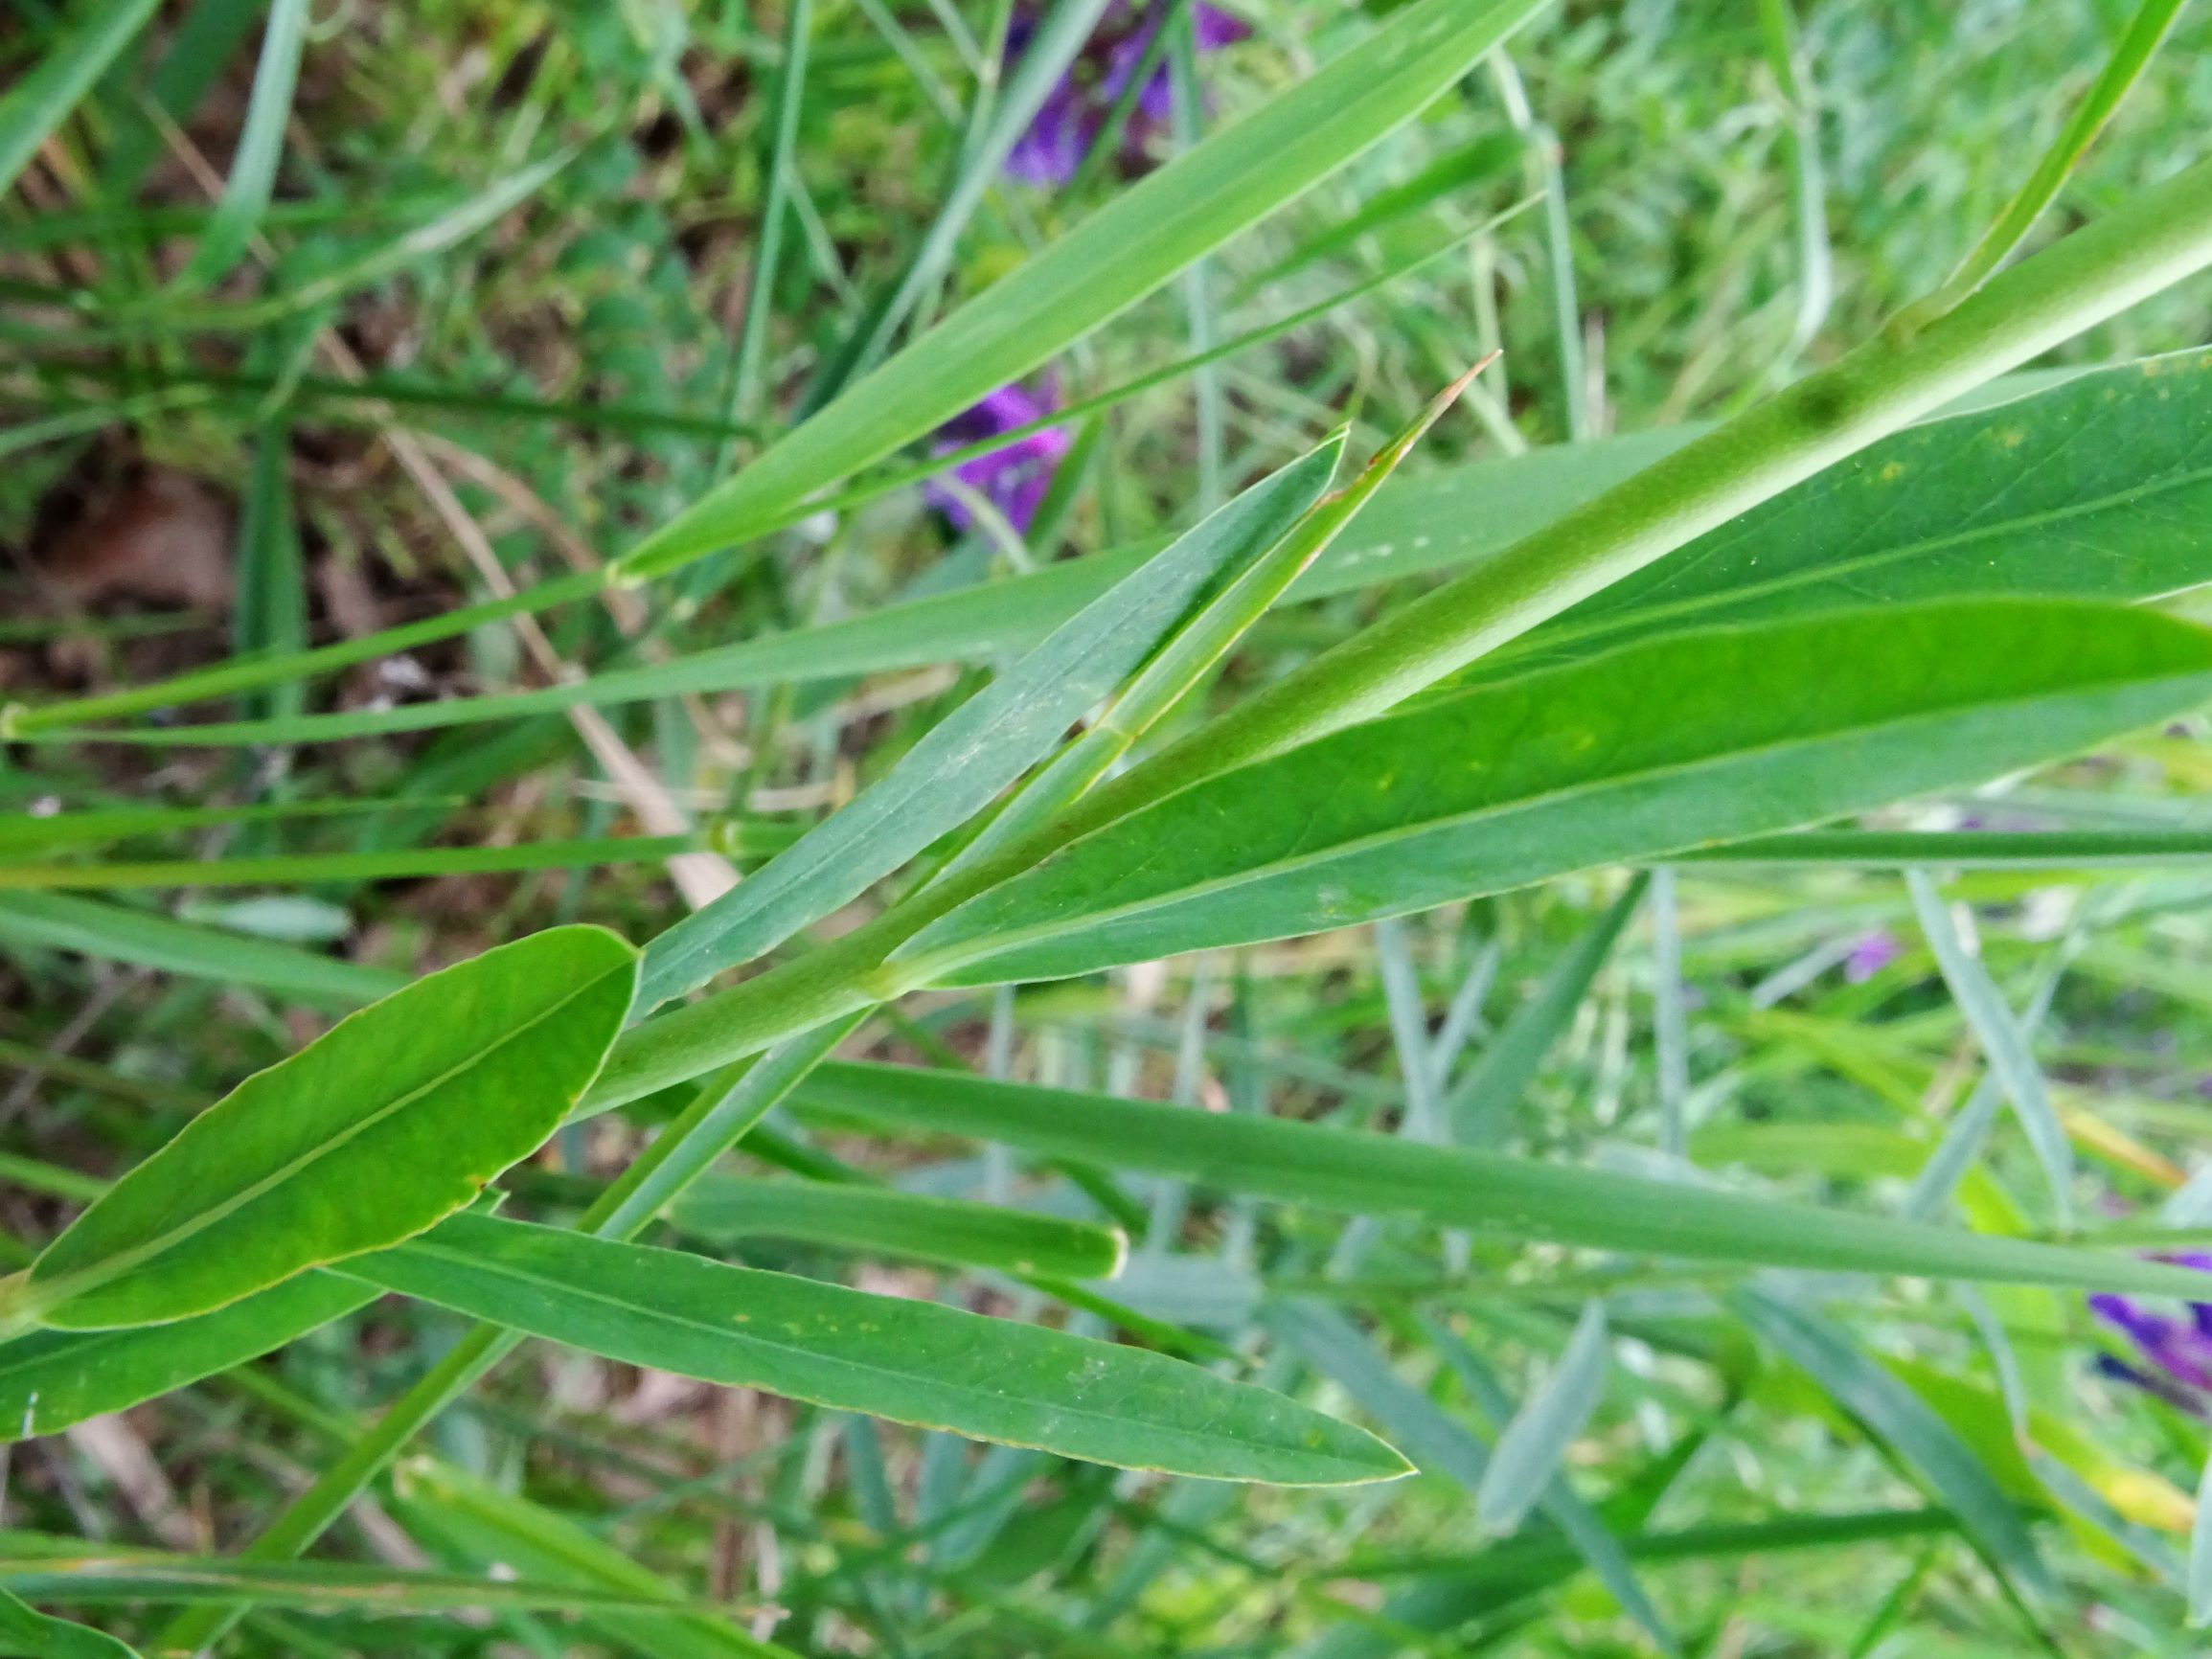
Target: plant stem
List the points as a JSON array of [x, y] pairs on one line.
[[1884, 385], [2162, 237]]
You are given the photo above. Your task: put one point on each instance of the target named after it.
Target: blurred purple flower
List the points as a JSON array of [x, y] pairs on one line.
[[1872, 954], [1014, 479], [1067, 124], [2178, 1351]]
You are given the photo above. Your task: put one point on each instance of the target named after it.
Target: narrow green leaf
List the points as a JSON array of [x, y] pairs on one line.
[[1114, 257], [1904, 1423], [80, 1576], [1588, 1534], [391, 1120], [1972, 849], [491, 1528], [1662, 746], [1490, 156], [456, 224], [1477, 1104], [998, 734], [2004, 501], [42, 99], [1485, 1192], [1417, 524], [260, 146], [114, 933], [400, 864], [721, 1209], [50, 1379], [28, 1635], [2002, 1041], [97, 826], [908, 1361], [1529, 1450], [1196, 647], [1443, 1445]]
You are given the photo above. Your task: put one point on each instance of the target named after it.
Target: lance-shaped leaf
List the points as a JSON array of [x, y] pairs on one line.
[[871, 1219], [1532, 1446], [2008, 500], [1485, 1192], [390, 1121], [1663, 745], [50, 1379], [998, 734], [910, 1362], [105, 1575]]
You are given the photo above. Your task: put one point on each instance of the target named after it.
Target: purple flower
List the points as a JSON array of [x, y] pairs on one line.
[[2178, 1351], [1873, 953], [1014, 479], [1067, 122]]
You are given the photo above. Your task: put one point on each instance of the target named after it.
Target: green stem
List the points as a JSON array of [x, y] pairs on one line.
[[1884, 385], [2164, 235]]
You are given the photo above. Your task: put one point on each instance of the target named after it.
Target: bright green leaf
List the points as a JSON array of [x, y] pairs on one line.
[[388, 1122]]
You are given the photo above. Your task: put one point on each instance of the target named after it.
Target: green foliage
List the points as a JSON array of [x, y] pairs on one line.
[[1525, 950]]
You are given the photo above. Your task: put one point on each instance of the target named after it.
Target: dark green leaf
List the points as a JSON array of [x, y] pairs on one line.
[[865, 1220], [908, 1361], [1496, 1196], [51, 1378], [1665, 744]]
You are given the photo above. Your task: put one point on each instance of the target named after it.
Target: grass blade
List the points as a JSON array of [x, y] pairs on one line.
[[1489, 1195], [490, 1528], [1125, 250], [1902, 1422], [261, 147], [113, 933], [1477, 1104], [42, 99], [2003, 1043], [722, 1209]]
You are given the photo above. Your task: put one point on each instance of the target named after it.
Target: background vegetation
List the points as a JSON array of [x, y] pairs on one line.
[[527, 282]]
